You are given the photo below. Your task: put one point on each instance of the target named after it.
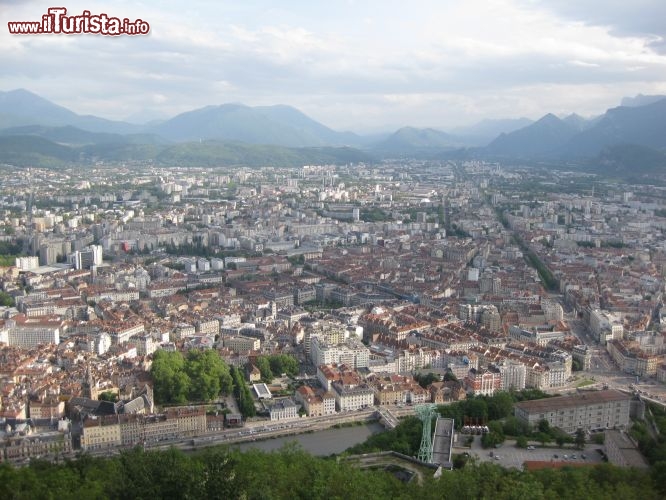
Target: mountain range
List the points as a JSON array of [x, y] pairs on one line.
[[35, 131], [574, 138]]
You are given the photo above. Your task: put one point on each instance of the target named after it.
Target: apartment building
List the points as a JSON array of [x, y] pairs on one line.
[[312, 404], [352, 398], [242, 344], [631, 359], [23, 331], [605, 326], [513, 375], [483, 382], [283, 409], [588, 410], [128, 430], [352, 353], [100, 433]]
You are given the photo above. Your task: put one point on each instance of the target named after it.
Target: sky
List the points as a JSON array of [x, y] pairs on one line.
[[360, 65]]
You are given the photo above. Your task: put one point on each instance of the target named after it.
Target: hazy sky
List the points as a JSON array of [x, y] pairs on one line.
[[352, 64]]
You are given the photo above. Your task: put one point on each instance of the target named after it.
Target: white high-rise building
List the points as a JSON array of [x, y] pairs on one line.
[[88, 257], [352, 353], [512, 375], [27, 263], [31, 332]]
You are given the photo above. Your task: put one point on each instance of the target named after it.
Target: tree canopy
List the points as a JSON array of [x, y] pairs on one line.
[[199, 376], [242, 393], [283, 363], [6, 299], [221, 473]]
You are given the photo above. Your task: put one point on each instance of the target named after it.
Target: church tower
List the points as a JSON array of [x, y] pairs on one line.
[[89, 385]]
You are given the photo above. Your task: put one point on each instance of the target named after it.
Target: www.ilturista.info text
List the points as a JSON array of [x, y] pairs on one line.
[[56, 21]]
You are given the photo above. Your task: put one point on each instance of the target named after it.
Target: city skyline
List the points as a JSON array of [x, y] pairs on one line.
[[360, 66]]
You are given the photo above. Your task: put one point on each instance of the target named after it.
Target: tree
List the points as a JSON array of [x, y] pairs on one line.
[[424, 380], [207, 374], [561, 437], [265, 368], [404, 438], [500, 405], [543, 438], [219, 476], [171, 382], [491, 439], [108, 396], [544, 426], [514, 427], [242, 394], [201, 376], [521, 442], [476, 408], [169, 474], [290, 472], [579, 438], [6, 300], [283, 363]]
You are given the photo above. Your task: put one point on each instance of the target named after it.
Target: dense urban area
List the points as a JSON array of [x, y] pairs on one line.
[[502, 323]]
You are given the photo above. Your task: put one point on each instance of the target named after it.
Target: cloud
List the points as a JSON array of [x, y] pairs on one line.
[[638, 18], [350, 65]]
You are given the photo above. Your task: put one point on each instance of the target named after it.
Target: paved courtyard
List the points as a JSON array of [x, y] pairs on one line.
[[510, 456]]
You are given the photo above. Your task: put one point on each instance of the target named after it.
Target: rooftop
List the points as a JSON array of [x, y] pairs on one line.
[[560, 402]]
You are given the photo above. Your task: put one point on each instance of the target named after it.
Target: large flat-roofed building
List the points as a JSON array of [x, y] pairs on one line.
[[31, 332], [588, 410], [262, 391], [242, 344], [352, 353]]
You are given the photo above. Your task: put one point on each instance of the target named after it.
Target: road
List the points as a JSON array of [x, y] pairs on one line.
[[604, 372]]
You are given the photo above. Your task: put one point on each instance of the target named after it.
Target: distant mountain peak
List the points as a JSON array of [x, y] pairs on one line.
[[411, 140], [21, 107], [640, 100], [22, 101], [543, 137], [278, 125], [575, 137], [577, 121], [20, 92], [549, 117]]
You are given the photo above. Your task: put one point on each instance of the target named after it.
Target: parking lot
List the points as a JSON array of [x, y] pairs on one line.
[[510, 456]]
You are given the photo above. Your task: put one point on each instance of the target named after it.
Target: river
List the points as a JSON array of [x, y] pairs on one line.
[[320, 443]]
